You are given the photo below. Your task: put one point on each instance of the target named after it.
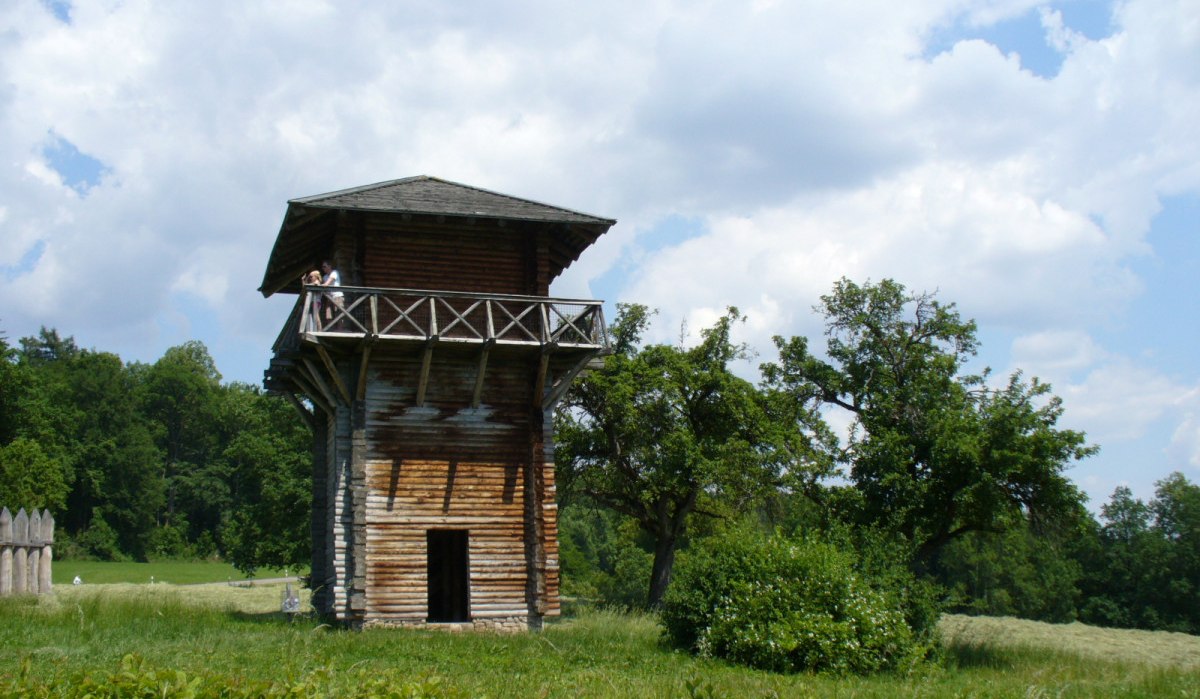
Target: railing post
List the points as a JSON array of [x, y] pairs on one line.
[[433, 324], [491, 326], [374, 301], [306, 314]]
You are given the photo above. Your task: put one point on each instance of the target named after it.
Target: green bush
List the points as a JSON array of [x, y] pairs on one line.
[[787, 605]]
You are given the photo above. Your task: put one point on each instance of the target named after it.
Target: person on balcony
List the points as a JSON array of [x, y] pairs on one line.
[[332, 279]]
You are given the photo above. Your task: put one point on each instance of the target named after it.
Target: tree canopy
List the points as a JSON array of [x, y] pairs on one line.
[[933, 453], [663, 432]]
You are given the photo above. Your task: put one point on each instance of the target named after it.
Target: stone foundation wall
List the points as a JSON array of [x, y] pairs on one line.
[[509, 624]]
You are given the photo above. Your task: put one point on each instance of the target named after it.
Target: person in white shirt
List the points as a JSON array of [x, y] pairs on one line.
[[332, 279]]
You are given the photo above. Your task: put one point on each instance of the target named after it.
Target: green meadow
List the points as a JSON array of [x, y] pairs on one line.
[[172, 572], [226, 641]]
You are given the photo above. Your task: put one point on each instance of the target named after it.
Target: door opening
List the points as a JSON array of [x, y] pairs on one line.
[[448, 575]]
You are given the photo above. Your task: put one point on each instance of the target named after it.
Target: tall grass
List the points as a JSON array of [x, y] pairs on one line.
[[234, 642]]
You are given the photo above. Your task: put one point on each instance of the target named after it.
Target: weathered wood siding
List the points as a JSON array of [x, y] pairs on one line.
[[446, 465], [476, 257]]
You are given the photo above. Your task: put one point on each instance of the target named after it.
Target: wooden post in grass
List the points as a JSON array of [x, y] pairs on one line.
[[6, 553], [25, 552]]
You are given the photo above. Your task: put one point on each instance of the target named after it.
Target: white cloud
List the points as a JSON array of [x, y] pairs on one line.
[[1184, 450]]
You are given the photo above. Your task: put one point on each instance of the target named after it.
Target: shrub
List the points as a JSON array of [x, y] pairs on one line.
[[786, 605]]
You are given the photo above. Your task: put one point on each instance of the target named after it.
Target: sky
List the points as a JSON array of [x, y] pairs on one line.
[[1036, 163]]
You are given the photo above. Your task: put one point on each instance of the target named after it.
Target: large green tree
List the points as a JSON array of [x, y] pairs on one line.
[[933, 453], [663, 432]]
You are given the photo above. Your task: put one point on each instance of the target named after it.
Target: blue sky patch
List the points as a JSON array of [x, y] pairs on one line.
[[27, 262], [1025, 36], [667, 233], [1164, 316], [60, 9], [79, 170]]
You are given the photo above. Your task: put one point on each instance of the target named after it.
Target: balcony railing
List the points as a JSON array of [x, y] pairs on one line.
[[420, 315]]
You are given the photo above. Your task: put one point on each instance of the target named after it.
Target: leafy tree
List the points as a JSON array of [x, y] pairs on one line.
[[31, 479], [179, 393], [269, 480], [933, 453], [661, 432]]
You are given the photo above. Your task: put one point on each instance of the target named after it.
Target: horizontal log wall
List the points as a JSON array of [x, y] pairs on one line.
[[445, 465], [475, 257]]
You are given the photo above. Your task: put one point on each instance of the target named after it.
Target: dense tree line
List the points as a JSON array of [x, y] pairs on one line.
[[961, 476], [151, 460]]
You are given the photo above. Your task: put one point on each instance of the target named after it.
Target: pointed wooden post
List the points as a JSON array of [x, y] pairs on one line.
[[6, 552], [45, 583], [33, 555], [20, 537]]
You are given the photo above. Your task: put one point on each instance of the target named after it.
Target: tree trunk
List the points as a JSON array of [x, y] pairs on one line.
[[664, 561]]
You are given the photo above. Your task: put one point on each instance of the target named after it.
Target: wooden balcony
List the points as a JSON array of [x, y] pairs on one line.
[[365, 319], [412, 315]]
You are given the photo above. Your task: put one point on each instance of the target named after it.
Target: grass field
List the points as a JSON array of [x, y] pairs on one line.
[[174, 572], [232, 641]]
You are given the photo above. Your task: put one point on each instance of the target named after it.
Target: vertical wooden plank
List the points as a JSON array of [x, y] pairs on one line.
[[6, 552], [33, 554], [358, 492], [20, 538], [360, 391], [322, 566], [44, 568]]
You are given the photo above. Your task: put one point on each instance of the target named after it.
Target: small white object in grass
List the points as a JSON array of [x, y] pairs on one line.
[[77, 581]]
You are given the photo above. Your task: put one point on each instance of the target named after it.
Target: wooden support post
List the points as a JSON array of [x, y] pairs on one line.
[[483, 362], [539, 389], [334, 373], [360, 392], [423, 382]]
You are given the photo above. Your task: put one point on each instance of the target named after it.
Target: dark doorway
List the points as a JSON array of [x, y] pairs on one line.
[[449, 577]]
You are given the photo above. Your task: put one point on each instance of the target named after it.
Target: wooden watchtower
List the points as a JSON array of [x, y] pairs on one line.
[[430, 386]]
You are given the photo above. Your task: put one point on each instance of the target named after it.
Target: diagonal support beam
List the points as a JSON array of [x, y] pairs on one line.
[[477, 395], [361, 390], [305, 413], [560, 388], [423, 382], [315, 374], [334, 373], [300, 378]]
